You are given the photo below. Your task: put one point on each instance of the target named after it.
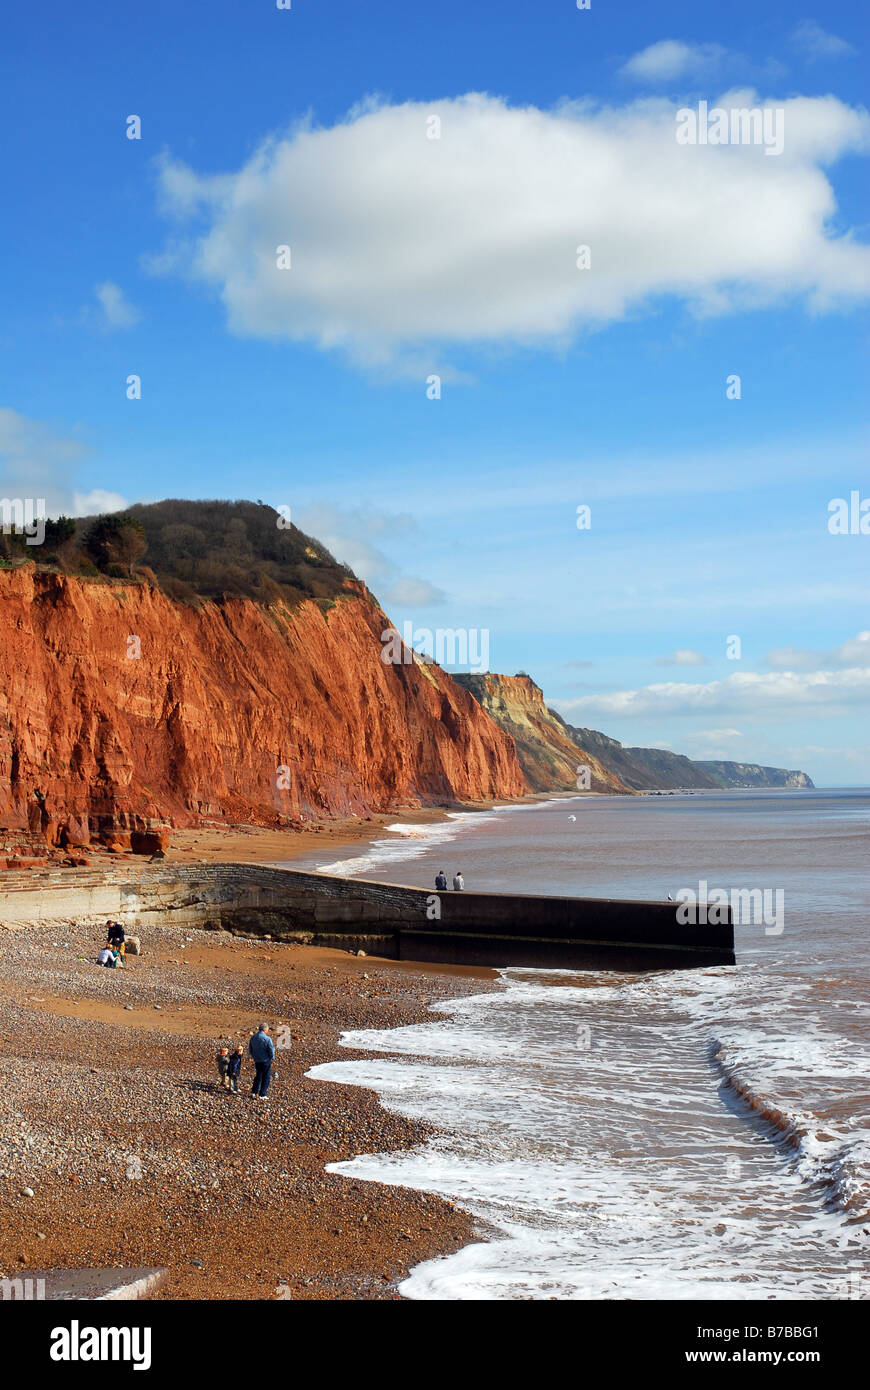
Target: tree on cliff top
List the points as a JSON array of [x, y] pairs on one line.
[[15, 544], [215, 549], [116, 541], [195, 550]]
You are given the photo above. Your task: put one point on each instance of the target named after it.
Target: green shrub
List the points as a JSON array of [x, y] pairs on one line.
[[117, 539]]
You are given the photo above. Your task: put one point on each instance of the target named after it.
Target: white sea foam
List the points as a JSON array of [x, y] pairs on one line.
[[412, 841], [605, 1170], [685, 1134], [835, 1155]]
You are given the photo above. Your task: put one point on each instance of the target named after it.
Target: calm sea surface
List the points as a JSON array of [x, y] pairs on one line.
[[687, 1134]]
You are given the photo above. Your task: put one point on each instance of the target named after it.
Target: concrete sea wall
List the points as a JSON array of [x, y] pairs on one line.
[[382, 919]]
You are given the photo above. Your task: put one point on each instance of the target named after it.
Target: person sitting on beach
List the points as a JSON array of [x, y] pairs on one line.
[[223, 1066], [235, 1068], [106, 957], [262, 1049], [458, 881], [441, 881], [117, 956]]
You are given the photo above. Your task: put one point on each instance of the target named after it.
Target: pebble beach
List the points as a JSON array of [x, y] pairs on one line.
[[119, 1147]]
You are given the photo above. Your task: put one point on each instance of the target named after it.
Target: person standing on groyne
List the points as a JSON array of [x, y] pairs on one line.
[[262, 1050]]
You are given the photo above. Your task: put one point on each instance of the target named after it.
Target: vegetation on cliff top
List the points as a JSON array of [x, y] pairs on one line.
[[191, 550]]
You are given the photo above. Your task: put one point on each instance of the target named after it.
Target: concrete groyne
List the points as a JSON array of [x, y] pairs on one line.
[[383, 919]]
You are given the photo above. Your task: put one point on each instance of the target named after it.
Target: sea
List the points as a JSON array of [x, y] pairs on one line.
[[691, 1134]]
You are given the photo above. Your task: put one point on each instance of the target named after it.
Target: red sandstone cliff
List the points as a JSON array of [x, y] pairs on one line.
[[95, 739]]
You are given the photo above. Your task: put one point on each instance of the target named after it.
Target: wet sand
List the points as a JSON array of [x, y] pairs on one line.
[[251, 844], [111, 1112]]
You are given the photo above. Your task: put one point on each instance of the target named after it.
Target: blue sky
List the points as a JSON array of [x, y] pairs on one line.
[[456, 256]]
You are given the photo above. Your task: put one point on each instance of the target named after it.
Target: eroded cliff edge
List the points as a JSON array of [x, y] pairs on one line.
[[232, 709]]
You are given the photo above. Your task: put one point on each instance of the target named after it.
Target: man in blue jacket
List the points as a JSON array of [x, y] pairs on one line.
[[262, 1049]]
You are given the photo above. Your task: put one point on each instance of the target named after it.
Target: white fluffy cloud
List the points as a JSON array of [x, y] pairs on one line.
[[400, 243], [36, 461], [117, 311], [683, 656], [671, 58], [707, 734], [745, 692], [413, 593], [712, 743], [97, 501], [347, 534], [854, 652], [815, 42]]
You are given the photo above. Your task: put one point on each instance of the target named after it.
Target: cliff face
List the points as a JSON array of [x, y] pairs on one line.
[[548, 753], [550, 750], [728, 774], [646, 769], [120, 707]]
